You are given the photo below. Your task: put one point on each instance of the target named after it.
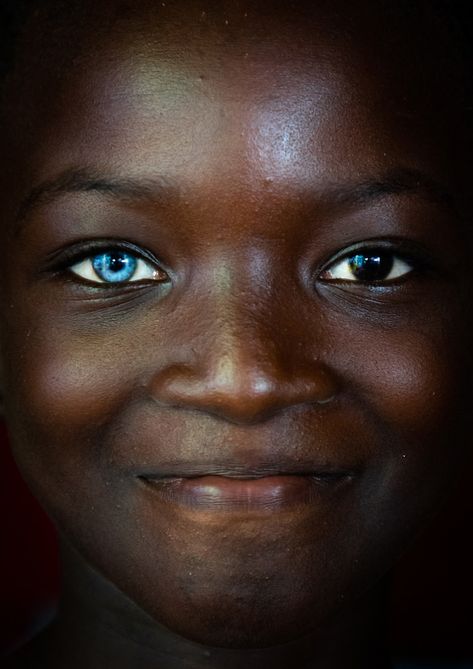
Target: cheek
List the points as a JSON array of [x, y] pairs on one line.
[[63, 388], [407, 361], [418, 385], [415, 388], [64, 382]]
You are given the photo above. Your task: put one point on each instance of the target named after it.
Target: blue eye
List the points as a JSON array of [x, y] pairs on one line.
[[116, 266]]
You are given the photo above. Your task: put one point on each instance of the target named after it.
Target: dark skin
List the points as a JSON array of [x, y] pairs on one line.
[[243, 157]]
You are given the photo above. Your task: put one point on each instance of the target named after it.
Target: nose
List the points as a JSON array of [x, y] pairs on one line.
[[244, 377], [242, 391]]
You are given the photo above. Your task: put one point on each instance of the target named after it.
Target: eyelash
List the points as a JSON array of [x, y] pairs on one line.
[[398, 256], [391, 264], [81, 259], [409, 260]]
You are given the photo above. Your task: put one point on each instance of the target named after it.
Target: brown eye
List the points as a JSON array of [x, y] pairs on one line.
[[368, 266]]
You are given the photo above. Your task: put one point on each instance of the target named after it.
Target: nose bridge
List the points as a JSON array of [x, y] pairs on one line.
[[242, 357], [245, 351], [243, 367]]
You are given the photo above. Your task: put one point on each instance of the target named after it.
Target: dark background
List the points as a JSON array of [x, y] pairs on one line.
[[431, 590]]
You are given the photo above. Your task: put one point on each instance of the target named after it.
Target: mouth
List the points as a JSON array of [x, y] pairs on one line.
[[247, 491]]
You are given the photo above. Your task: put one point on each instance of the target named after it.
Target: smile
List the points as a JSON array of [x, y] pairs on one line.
[[217, 492]]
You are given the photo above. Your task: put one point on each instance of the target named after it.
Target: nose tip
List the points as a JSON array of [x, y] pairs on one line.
[[242, 395]]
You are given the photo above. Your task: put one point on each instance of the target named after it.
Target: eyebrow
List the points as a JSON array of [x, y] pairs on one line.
[[399, 181], [83, 180]]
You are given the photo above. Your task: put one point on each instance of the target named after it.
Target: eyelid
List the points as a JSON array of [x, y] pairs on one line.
[[399, 268], [407, 251], [85, 270], [62, 260]]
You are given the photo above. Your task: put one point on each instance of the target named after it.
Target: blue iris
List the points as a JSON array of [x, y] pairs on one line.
[[114, 266]]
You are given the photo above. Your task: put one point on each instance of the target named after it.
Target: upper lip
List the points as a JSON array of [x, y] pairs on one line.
[[246, 471]]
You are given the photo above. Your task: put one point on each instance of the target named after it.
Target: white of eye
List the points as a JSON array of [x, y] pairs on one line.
[[341, 270], [144, 271]]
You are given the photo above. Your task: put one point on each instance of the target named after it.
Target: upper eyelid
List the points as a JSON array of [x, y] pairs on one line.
[[89, 276], [366, 251], [409, 252], [369, 245], [91, 256], [401, 248], [61, 261], [410, 264], [65, 258], [92, 251]]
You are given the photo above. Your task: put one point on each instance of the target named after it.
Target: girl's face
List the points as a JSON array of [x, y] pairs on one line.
[[235, 324]]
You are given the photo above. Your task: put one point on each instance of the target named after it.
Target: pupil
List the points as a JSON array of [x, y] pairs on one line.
[[373, 266], [116, 262]]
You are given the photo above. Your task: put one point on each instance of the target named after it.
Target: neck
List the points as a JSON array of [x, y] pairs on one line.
[[97, 626]]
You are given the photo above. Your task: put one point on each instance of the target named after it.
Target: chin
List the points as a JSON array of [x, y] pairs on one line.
[[248, 627]]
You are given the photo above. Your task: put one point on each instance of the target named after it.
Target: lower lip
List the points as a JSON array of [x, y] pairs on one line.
[[225, 493]]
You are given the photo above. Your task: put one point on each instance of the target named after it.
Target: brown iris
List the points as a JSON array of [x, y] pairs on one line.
[[371, 266]]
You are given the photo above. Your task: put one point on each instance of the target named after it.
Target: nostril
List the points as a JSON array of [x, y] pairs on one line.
[[247, 395]]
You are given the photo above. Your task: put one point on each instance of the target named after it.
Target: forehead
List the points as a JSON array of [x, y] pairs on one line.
[[195, 90]]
